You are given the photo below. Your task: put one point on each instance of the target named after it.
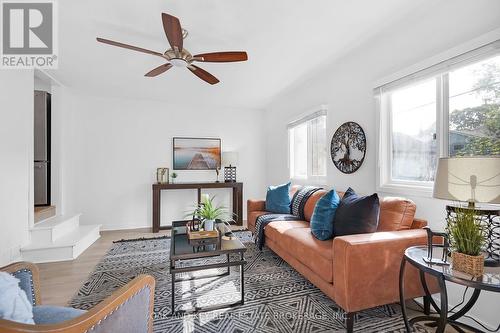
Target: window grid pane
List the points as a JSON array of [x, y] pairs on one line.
[[474, 109], [318, 146], [299, 154], [413, 119], [307, 149]]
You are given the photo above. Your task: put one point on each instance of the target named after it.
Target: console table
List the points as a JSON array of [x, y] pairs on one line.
[[235, 186]]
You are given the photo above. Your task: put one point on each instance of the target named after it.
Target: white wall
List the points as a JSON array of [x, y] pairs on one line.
[[346, 85], [112, 147], [16, 161]]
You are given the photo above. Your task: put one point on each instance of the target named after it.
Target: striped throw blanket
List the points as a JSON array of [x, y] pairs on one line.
[[297, 213]]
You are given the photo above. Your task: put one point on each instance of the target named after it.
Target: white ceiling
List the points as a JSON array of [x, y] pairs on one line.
[[284, 39]]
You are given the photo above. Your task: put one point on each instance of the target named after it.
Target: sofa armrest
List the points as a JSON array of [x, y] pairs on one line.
[[128, 310], [366, 268], [418, 223], [29, 278], [255, 205]]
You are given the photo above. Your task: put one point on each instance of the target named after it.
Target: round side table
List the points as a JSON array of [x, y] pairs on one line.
[[415, 255]]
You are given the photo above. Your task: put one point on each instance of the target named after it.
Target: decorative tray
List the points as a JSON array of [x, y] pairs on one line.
[[192, 235]]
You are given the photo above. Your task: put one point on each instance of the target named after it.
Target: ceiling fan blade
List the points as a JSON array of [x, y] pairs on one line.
[[173, 30], [158, 70], [230, 56], [130, 47], [203, 74]]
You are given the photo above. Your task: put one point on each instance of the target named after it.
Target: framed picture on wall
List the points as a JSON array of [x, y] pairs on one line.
[[196, 153]]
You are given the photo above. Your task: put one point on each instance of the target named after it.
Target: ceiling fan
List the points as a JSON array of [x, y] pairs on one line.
[[178, 56]]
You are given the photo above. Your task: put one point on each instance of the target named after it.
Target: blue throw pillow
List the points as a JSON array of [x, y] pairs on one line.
[[356, 214], [278, 199], [324, 214]]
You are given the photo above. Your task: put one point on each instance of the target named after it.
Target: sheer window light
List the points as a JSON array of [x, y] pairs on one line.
[[308, 147]]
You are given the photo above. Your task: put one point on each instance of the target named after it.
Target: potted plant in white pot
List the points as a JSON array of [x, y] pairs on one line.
[[173, 176], [467, 238], [208, 212]]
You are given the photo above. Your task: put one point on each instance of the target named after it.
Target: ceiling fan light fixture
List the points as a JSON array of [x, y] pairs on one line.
[[177, 55], [178, 62]]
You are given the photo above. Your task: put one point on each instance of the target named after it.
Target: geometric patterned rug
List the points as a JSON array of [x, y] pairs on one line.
[[277, 298]]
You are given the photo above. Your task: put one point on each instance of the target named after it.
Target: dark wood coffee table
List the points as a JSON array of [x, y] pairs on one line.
[[182, 249]]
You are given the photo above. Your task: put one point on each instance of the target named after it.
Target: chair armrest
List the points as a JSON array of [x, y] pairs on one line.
[[366, 268], [29, 278], [255, 205], [128, 310]]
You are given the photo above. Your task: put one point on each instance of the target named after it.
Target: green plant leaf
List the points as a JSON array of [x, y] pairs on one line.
[[465, 231]]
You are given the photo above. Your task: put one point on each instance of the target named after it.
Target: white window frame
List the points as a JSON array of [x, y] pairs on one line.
[[437, 67], [310, 179]]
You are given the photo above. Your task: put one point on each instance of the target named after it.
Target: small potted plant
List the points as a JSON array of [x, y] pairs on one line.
[[208, 212], [466, 239], [173, 176]]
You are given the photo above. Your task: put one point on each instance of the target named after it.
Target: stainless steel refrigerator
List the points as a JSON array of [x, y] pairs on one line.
[[42, 148]]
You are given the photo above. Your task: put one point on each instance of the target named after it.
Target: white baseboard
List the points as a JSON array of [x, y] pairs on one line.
[[125, 227]]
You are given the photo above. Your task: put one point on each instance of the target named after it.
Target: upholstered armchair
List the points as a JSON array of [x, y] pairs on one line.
[[128, 309]]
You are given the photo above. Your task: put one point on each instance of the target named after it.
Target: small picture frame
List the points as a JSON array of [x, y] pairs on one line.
[[162, 175]]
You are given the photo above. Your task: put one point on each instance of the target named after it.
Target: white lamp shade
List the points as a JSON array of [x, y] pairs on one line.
[[474, 179], [230, 158]]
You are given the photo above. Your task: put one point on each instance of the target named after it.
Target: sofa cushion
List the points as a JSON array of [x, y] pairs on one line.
[[275, 230], [323, 216], [49, 314], [296, 238], [278, 199], [396, 214], [356, 214]]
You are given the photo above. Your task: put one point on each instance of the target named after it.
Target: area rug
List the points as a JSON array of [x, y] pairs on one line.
[[277, 298]]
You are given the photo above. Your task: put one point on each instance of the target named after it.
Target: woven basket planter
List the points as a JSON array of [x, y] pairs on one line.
[[473, 265]]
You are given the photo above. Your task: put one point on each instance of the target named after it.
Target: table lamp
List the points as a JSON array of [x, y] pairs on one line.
[[230, 160], [475, 180]]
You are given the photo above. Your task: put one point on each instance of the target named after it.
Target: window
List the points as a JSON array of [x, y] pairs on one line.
[[451, 109], [307, 147]]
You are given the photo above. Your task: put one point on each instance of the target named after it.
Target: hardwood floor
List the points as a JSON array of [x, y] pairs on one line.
[[61, 280]]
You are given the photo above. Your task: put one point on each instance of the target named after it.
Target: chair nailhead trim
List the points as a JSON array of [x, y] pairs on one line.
[[32, 287]]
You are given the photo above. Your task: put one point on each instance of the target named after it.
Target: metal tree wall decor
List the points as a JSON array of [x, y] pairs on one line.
[[348, 147]]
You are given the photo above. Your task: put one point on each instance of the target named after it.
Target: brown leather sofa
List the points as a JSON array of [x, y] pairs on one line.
[[357, 271]]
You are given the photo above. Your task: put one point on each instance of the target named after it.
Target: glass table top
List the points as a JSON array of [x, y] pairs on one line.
[[183, 248], [490, 280]]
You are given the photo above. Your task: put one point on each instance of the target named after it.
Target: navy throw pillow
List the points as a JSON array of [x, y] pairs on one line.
[[356, 214], [324, 214], [278, 199]]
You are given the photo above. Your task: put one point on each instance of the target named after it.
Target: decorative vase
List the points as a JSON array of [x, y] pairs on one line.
[[208, 225], [473, 265]]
